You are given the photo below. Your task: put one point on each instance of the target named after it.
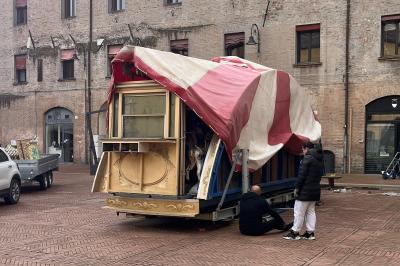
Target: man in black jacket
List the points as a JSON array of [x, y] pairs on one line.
[[256, 216], [307, 192]]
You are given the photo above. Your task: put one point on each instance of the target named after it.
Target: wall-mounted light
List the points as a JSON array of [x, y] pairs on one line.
[[99, 43], [394, 102], [254, 30]]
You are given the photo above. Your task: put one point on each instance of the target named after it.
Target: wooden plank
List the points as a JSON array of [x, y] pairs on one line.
[[141, 170]]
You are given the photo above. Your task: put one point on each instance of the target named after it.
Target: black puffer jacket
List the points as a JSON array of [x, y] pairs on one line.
[[310, 172]]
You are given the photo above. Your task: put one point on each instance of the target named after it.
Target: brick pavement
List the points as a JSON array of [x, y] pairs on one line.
[[66, 225]]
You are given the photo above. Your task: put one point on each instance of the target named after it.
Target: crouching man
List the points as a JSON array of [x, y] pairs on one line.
[[256, 216]]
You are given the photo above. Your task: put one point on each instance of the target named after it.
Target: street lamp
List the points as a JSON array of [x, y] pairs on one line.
[[254, 30]]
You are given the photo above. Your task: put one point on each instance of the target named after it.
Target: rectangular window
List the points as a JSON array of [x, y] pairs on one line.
[[21, 7], [173, 2], [20, 68], [68, 8], [234, 44], [112, 50], [180, 46], [390, 46], [116, 5], [40, 70], [308, 44], [67, 61], [143, 116]]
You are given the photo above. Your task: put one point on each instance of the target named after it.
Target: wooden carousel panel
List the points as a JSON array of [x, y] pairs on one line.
[[208, 167], [152, 172], [177, 208], [100, 183]]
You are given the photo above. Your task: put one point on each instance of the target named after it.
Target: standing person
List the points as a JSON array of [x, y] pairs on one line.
[[307, 192], [256, 216]]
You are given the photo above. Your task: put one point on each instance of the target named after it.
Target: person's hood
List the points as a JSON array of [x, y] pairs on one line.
[[317, 154], [250, 195]]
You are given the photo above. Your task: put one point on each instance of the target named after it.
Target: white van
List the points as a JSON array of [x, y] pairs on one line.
[[10, 179]]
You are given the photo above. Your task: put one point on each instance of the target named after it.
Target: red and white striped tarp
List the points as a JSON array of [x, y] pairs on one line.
[[249, 106]]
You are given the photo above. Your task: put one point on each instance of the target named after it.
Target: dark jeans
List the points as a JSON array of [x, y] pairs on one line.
[[271, 221]]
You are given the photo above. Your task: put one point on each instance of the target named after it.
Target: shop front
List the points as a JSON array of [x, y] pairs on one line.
[[382, 133], [59, 133]]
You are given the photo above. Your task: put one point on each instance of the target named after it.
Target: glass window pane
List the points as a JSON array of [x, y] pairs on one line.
[[143, 127], [379, 146], [305, 40], [115, 115], [172, 115], [315, 39], [238, 51], [144, 104], [303, 57], [315, 56], [389, 39], [304, 45]]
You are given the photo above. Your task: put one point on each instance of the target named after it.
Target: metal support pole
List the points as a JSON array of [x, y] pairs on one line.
[[228, 182], [245, 171]]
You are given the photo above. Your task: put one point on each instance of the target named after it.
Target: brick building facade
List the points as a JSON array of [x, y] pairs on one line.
[[305, 38]]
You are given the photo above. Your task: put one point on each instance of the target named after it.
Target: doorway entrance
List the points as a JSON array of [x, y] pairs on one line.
[[382, 133], [60, 133]]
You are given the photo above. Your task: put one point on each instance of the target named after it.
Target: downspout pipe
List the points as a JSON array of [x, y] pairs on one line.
[[92, 151], [346, 90]]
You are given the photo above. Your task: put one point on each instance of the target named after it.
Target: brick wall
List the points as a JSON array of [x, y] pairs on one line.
[[204, 25]]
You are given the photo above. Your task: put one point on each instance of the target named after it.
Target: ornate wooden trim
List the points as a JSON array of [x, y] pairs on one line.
[[165, 207]]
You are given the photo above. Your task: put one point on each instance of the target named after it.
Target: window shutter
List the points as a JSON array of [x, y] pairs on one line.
[[62, 8], [20, 62], [73, 7], [234, 39], [179, 44], [21, 3], [391, 17], [67, 54], [308, 27], [122, 4]]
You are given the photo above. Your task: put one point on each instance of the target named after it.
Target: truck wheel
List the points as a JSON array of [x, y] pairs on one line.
[[49, 179], [43, 182], [14, 192]]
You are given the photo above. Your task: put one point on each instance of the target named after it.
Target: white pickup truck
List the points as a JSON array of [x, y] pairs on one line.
[[10, 179]]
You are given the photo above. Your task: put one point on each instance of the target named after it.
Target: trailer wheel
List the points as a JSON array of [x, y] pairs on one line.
[[49, 179], [43, 182]]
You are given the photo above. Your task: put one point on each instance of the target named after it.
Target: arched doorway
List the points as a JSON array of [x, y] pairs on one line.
[[60, 133], [382, 133]]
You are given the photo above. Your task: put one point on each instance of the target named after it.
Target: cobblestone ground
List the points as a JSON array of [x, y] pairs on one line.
[[66, 225]]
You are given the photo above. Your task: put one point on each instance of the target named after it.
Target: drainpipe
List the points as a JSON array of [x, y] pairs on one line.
[[346, 90], [92, 152]]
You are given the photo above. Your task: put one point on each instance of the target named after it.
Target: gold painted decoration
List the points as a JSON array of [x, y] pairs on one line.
[[183, 208]]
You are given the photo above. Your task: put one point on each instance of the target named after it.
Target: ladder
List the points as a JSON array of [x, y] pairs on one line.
[[393, 170]]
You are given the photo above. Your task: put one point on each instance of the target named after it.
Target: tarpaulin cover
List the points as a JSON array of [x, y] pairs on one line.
[[249, 106]]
